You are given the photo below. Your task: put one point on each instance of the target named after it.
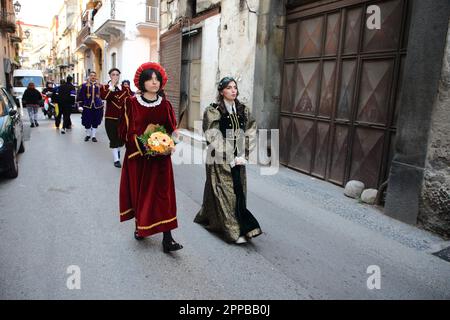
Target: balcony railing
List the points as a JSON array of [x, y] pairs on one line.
[[7, 21], [82, 35], [114, 11], [62, 62], [16, 37]]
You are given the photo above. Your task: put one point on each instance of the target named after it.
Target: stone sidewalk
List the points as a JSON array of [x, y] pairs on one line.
[[330, 197]]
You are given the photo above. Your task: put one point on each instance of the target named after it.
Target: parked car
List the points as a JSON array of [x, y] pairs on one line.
[[11, 135]]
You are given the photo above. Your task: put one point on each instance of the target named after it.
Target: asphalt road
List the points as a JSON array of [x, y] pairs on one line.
[[62, 211]]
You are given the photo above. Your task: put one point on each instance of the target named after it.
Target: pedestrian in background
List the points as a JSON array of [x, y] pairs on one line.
[[66, 99], [89, 98], [32, 99], [126, 85], [58, 112], [226, 124], [115, 95], [48, 93]]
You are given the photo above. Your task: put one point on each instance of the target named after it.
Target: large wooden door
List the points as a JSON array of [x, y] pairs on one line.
[[341, 83], [191, 75], [194, 93]]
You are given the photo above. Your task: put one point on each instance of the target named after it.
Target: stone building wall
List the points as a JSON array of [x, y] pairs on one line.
[[419, 111], [434, 211]]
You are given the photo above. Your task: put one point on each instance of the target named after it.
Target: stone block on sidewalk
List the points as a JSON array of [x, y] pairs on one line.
[[353, 189], [369, 196]]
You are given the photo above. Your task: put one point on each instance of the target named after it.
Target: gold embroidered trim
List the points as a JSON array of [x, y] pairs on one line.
[[236, 130], [254, 233], [137, 145], [133, 154], [128, 211], [123, 94], [116, 105], [126, 118], [157, 224], [107, 95]]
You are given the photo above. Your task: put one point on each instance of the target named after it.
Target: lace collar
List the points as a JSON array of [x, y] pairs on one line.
[[153, 104], [112, 88]]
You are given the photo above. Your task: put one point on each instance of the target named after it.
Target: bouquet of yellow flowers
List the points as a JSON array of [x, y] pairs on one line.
[[156, 141]]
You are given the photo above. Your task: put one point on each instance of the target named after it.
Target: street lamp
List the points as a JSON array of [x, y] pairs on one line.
[[27, 33], [17, 6]]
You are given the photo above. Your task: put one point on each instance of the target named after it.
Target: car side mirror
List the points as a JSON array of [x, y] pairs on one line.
[[12, 113]]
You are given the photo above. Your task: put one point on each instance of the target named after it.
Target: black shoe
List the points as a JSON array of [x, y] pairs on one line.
[[32, 125], [117, 164], [94, 139], [169, 246], [87, 138], [137, 237], [36, 123]]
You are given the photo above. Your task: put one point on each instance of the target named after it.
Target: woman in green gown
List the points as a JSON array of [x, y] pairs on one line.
[[230, 132]]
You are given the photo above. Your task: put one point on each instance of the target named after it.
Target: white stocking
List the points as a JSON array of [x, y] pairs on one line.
[[115, 152]]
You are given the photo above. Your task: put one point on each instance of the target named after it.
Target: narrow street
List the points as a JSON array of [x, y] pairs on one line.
[[62, 210]]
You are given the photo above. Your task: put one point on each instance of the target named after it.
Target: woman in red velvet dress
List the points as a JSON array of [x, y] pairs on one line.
[[147, 189]]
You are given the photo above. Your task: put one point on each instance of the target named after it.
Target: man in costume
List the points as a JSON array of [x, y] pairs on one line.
[[89, 98], [114, 94]]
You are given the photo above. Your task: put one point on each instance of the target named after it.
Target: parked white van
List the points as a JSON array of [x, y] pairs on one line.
[[21, 79]]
